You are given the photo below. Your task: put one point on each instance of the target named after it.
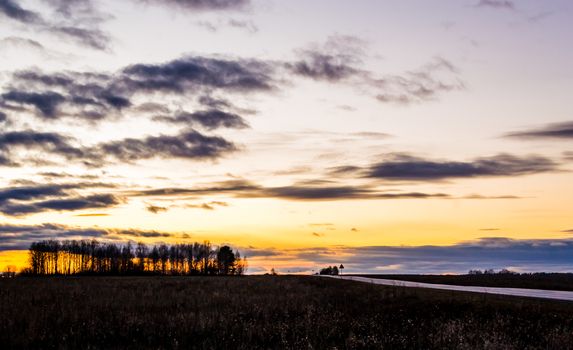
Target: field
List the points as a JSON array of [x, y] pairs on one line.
[[268, 312], [547, 281]]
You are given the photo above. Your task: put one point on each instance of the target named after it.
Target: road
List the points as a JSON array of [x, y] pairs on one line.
[[532, 293]]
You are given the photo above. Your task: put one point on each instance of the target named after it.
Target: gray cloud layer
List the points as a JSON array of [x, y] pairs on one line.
[[297, 192], [485, 253], [557, 131], [340, 60], [412, 168], [19, 237], [32, 199], [188, 144]]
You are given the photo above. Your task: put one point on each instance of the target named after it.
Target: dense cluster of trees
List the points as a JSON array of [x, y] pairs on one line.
[[92, 257], [331, 270]]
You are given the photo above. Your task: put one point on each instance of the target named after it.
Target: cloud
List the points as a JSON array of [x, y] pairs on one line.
[[556, 131], [490, 252], [249, 26], [90, 36], [155, 209], [334, 61], [400, 167], [32, 199], [297, 192], [32, 192], [51, 143], [46, 103], [500, 4], [12, 10], [207, 206], [98, 96], [419, 85], [14, 41], [190, 73], [340, 60], [188, 144], [209, 119], [66, 204], [19, 237], [201, 5]]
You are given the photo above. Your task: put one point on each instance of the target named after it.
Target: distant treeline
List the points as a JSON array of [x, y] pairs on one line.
[[87, 257]]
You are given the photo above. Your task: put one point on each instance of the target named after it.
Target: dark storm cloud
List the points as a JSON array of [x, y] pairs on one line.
[[557, 131], [407, 167], [16, 237], [500, 4], [209, 119]]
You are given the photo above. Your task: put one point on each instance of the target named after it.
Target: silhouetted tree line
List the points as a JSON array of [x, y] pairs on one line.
[[74, 257], [492, 272], [331, 270]]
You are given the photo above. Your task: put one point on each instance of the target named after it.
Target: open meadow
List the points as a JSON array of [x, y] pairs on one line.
[[546, 281], [264, 312]]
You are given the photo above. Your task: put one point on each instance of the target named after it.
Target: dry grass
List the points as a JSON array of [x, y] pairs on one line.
[[267, 313], [547, 281]]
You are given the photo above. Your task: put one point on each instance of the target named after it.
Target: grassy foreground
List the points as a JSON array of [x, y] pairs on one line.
[[268, 312]]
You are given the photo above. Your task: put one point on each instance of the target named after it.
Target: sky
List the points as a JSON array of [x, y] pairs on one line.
[[422, 136]]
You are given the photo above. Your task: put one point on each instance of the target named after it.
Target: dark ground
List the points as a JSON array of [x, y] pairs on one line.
[[546, 281], [267, 312]]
